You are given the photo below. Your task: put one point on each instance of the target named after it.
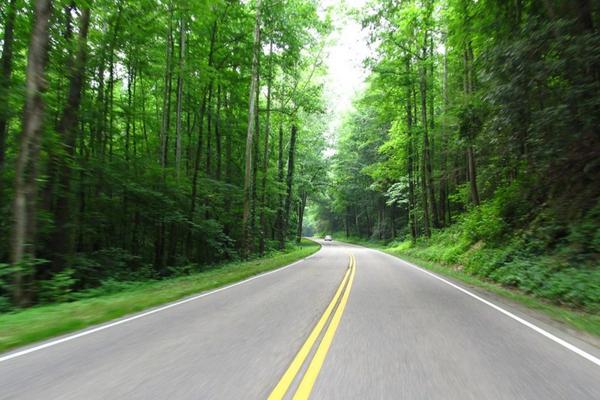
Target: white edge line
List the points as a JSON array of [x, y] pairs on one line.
[[143, 314], [528, 324]]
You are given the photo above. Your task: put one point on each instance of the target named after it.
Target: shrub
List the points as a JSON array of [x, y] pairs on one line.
[[482, 261], [584, 238], [484, 223], [5, 304], [111, 263], [59, 288]]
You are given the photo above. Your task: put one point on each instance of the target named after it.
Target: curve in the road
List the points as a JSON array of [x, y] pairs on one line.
[[401, 332]]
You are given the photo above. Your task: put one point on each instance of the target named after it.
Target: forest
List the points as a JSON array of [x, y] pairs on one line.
[[145, 139], [476, 142], [141, 137]]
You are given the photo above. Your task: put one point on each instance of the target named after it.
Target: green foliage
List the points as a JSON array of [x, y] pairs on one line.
[[541, 277], [6, 273], [111, 263], [147, 182], [484, 222], [25, 270], [470, 118], [397, 193], [444, 246], [584, 238], [58, 289]]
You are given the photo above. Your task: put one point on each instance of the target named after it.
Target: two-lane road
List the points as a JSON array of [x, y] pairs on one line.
[[362, 324]]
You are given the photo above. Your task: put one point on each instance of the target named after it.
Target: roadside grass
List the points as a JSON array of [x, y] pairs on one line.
[[578, 320], [27, 326]]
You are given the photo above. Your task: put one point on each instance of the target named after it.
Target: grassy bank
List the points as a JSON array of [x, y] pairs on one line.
[[433, 255], [38, 323]]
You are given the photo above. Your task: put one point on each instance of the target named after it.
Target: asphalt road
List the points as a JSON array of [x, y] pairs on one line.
[[390, 331]]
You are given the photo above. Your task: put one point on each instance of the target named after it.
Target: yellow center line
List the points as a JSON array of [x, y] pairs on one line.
[[314, 368], [289, 375]]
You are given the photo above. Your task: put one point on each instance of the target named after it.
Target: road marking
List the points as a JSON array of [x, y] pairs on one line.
[[16, 354], [289, 375], [522, 321], [316, 363]]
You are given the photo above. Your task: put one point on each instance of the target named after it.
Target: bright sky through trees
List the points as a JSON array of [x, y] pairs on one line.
[[345, 54]]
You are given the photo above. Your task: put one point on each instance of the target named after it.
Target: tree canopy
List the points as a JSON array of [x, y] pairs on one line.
[[126, 149]]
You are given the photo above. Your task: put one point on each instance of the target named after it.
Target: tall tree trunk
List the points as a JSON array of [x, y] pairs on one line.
[[410, 160], [425, 166], [428, 184], [229, 143], [346, 223], [393, 221], [301, 207], [431, 92], [25, 197], [129, 118], [133, 111], [5, 77], [289, 186], [143, 116], [109, 107], [182, 28], [228, 130], [265, 161], [209, 115], [472, 175], [63, 241], [417, 167], [444, 166], [380, 218], [218, 138], [189, 114], [97, 138], [469, 89], [250, 136], [255, 162], [111, 92], [356, 222], [166, 110], [196, 171], [280, 200]]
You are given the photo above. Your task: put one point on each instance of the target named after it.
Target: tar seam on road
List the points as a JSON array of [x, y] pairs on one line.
[[137, 316], [313, 369], [522, 321]]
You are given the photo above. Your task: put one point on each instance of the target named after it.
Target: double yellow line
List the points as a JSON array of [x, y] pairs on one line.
[[310, 376]]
